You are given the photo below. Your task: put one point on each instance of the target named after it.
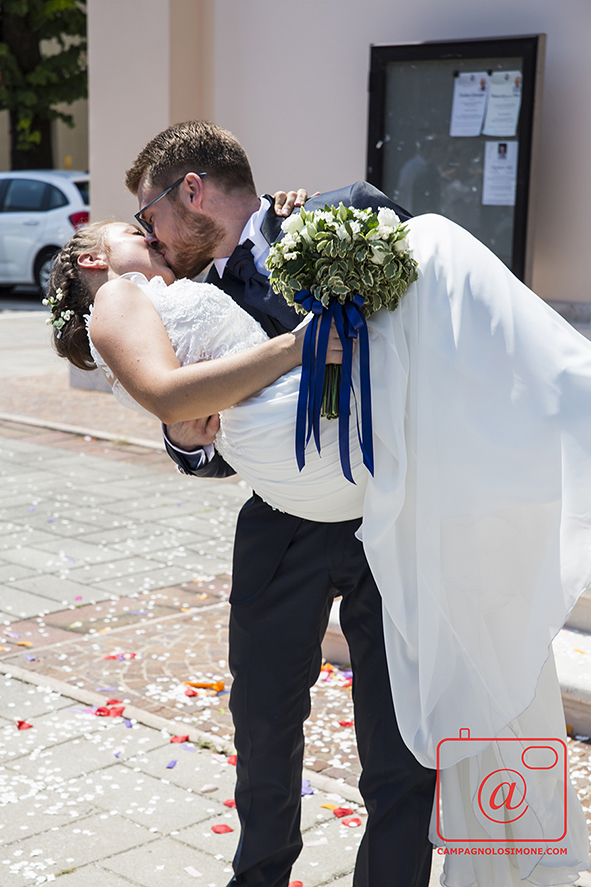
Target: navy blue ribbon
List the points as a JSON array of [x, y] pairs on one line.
[[350, 324]]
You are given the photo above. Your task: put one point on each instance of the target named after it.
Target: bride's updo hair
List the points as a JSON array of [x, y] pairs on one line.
[[70, 296]]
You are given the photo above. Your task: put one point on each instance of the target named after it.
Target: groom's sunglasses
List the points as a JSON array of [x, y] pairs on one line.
[[148, 228]]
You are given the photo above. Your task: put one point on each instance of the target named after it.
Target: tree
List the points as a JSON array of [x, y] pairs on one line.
[[42, 64]]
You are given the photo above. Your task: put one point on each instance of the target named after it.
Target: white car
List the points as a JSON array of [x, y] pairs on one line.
[[39, 212]]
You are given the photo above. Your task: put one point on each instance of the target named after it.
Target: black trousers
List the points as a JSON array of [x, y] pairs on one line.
[[275, 657]]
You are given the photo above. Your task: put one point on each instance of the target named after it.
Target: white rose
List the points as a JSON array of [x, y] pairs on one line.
[[388, 217], [292, 224], [378, 256], [342, 233], [402, 245]]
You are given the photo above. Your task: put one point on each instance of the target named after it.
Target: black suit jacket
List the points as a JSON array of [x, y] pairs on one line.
[[360, 195]]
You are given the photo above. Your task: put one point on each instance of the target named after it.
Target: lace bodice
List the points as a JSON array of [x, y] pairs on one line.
[[202, 323]]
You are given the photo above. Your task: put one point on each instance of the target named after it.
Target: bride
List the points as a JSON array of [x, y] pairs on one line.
[[476, 523]]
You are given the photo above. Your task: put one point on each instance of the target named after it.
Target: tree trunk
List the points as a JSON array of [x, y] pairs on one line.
[[38, 156]]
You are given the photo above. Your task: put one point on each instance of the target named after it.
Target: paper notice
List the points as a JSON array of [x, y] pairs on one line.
[[469, 103], [500, 173], [504, 102]]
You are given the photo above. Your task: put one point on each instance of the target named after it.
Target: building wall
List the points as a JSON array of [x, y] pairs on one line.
[[291, 83], [290, 80], [146, 63]]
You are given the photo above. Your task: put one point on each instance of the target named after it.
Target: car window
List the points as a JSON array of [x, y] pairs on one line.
[[56, 198], [24, 195], [83, 187]]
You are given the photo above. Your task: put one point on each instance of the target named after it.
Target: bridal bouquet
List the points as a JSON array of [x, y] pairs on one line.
[[341, 264]]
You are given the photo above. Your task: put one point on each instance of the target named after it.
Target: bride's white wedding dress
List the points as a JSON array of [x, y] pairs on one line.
[[476, 525]]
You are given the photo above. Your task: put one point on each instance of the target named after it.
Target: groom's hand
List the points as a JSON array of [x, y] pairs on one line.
[[194, 433]]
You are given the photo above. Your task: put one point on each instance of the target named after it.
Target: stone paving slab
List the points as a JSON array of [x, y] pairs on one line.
[[165, 862], [72, 846]]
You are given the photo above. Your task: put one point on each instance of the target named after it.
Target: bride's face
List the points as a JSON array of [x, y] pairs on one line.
[[128, 251]]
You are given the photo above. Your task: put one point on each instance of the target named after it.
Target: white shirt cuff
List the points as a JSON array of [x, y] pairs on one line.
[[207, 449]]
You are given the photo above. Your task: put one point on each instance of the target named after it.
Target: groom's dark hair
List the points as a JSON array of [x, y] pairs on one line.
[[194, 146]]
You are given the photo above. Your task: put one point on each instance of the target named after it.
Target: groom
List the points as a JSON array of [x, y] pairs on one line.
[[198, 202]]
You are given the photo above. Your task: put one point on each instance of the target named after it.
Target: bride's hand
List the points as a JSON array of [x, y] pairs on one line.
[[285, 201], [334, 351]]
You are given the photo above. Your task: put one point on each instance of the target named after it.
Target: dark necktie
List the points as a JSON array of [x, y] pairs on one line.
[[257, 289]]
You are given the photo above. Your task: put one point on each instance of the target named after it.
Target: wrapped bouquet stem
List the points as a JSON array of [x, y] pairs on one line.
[[342, 265]]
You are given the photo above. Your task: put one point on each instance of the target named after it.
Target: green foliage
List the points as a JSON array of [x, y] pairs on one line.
[[337, 253], [42, 63]]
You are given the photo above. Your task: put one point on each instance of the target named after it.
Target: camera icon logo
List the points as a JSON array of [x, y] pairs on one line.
[[533, 767]]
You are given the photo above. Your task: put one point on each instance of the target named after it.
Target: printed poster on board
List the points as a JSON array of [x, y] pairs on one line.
[[504, 103], [469, 103], [500, 173]]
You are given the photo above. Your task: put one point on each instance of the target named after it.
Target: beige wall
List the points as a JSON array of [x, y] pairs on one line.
[[290, 80], [146, 62], [291, 83]]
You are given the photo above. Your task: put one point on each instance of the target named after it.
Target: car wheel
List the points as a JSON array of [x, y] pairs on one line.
[[43, 264]]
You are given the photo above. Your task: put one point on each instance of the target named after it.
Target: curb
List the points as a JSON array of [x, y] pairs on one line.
[[82, 432]]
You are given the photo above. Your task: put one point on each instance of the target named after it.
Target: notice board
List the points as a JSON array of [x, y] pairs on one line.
[[454, 129]]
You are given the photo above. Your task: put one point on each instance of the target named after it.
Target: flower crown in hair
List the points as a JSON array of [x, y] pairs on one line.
[[58, 318]]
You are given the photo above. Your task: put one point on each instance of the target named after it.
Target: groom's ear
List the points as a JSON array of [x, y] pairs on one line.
[[192, 190], [92, 261]]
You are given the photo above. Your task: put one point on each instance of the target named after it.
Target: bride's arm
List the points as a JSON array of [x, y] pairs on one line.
[[131, 338]]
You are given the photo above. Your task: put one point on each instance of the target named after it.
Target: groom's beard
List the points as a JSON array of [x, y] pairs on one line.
[[194, 243]]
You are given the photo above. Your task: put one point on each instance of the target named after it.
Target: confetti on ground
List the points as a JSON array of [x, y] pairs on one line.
[[339, 812], [218, 686], [345, 723], [115, 712], [205, 789], [295, 884], [229, 803], [171, 765], [22, 725], [221, 829], [120, 656], [306, 788], [329, 806], [179, 738], [193, 872], [114, 702], [232, 759], [24, 643], [351, 821], [190, 692]]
